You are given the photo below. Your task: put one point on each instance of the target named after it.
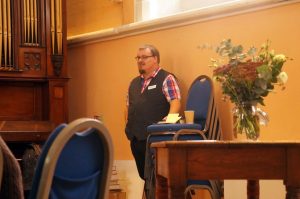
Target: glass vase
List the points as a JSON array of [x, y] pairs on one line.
[[246, 119]]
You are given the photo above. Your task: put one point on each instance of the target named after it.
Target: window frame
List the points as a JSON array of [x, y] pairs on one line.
[[177, 20], [147, 6]]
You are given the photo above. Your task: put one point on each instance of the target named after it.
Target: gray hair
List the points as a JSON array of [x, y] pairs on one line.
[[153, 50]]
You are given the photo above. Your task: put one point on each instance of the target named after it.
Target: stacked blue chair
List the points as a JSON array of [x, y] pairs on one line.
[[198, 100], [206, 126], [75, 163]]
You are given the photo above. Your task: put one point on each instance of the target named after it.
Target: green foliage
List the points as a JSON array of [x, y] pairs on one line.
[[248, 76]]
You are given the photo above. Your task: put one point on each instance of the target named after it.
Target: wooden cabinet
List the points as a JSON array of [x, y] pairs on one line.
[[33, 71]]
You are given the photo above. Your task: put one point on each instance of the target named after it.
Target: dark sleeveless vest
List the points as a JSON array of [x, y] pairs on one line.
[[146, 108]]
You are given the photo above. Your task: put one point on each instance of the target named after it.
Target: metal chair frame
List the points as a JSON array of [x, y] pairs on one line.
[[58, 145]]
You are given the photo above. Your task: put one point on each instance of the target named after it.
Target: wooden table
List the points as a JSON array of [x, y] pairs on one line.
[[178, 161]]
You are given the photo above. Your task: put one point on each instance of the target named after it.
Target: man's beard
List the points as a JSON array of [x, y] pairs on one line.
[[141, 71]]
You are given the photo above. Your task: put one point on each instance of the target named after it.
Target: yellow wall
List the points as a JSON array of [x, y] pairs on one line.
[[88, 16], [101, 71]]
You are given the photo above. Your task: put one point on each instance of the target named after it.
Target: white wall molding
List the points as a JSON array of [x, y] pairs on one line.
[[185, 18]]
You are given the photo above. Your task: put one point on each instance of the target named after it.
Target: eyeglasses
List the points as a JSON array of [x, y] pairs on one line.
[[143, 57]]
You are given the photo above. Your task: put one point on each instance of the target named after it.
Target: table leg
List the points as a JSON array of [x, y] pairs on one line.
[[164, 190], [253, 189], [292, 192], [161, 191]]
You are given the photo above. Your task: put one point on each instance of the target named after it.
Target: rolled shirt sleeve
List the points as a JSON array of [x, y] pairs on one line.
[[171, 89]]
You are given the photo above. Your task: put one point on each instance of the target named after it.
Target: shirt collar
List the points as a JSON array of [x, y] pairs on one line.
[[153, 74]]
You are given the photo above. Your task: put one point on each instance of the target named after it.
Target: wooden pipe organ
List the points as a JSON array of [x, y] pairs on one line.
[[33, 71]]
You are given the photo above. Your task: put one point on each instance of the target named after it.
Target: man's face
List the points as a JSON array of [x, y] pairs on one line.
[[146, 62]]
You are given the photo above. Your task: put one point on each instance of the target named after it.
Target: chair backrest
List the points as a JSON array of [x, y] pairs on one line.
[[75, 164], [11, 186], [199, 98]]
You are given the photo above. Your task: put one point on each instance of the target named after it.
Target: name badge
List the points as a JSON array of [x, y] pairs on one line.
[[151, 87]]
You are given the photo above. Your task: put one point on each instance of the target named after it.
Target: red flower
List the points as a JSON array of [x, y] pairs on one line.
[[245, 71]]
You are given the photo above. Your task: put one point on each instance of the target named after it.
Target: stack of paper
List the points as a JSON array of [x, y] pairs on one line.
[[172, 118]]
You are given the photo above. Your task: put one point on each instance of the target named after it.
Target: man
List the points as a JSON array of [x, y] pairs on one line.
[[151, 97]]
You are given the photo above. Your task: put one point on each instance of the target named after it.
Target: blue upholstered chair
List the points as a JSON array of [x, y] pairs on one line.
[[198, 100], [206, 126], [212, 131], [76, 162]]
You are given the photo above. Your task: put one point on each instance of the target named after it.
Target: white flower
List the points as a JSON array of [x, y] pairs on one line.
[[279, 58], [282, 78]]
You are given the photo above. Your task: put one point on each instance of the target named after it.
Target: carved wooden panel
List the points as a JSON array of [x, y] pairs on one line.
[[32, 61]]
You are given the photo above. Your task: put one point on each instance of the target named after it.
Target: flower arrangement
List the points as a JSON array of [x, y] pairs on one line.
[[247, 78]]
